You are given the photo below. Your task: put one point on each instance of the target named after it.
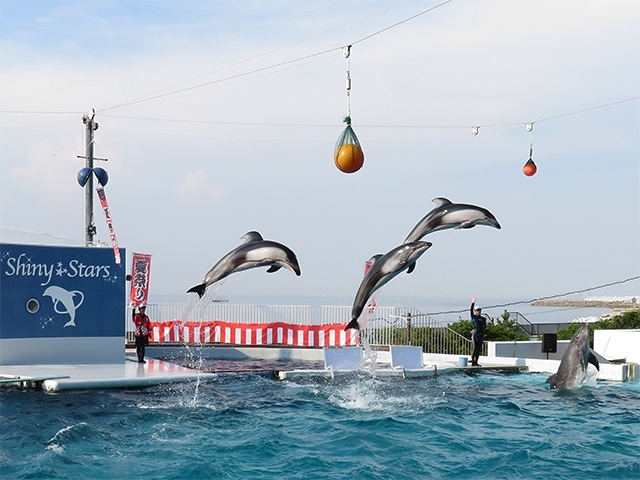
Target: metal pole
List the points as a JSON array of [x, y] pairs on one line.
[[90, 226]]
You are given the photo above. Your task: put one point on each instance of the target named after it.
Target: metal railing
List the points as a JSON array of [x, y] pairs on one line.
[[535, 329], [412, 327], [384, 326]]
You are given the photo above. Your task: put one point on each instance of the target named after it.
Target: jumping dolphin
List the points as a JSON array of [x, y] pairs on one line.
[[451, 215], [61, 296], [254, 252], [383, 269], [575, 361]]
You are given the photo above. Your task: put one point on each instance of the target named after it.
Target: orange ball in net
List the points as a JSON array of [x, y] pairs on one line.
[[349, 158], [529, 168]]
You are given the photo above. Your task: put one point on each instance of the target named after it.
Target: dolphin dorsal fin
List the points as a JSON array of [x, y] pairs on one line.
[[439, 201], [374, 259], [252, 236]]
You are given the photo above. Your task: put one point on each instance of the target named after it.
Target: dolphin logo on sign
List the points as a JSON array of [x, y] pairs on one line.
[[64, 302]]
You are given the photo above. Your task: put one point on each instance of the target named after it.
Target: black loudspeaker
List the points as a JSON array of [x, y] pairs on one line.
[[549, 342]]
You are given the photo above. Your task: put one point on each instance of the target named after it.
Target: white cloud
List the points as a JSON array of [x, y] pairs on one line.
[[196, 185], [466, 63]]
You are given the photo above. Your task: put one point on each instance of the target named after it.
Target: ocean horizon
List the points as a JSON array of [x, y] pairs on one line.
[[444, 310]]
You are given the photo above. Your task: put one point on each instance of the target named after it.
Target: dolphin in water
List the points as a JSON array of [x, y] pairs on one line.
[[575, 361], [383, 269], [61, 296], [451, 215], [254, 252]]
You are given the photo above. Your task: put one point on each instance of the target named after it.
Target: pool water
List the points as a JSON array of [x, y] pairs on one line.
[[249, 425]]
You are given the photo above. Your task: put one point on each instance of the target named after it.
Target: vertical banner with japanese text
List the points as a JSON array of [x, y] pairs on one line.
[[107, 215], [140, 273]]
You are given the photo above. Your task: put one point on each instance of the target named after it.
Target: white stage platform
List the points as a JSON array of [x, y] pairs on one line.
[[128, 374]]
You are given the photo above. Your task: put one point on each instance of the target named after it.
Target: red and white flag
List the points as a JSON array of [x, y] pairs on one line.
[[107, 215], [140, 273]]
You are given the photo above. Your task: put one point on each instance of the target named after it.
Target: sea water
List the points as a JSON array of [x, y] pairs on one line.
[[246, 424]]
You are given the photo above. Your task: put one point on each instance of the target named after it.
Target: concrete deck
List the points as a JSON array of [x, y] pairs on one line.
[[131, 374], [128, 374]]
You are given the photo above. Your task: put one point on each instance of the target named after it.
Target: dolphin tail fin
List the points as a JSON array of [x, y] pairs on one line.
[[199, 289], [593, 360], [353, 324]]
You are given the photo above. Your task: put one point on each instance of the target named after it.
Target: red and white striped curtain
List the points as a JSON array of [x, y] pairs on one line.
[[277, 333]]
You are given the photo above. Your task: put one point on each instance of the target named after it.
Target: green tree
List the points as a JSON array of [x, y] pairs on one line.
[[503, 329], [462, 327], [622, 321]]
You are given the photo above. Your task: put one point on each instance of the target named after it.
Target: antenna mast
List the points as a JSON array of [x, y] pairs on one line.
[[90, 226]]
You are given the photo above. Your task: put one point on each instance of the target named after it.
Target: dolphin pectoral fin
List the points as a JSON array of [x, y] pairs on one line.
[[552, 380], [273, 268], [411, 268], [468, 224], [199, 289], [353, 324], [593, 360]]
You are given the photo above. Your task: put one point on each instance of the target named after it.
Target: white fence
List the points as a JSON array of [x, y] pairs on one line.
[[293, 314], [385, 325]]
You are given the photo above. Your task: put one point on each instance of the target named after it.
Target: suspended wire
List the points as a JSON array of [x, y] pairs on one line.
[[153, 60], [587, 109], [304, 125], [66, 118], [20, 113], [220, 80], [319, 125], [347, 54], [401, 22], [33, 234], [220, 136], [332, 126], [619, 282], [242, 80], [153, 97]]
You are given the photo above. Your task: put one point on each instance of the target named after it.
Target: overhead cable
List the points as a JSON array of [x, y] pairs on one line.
[[168, 55], [549, 297], [279, 64]]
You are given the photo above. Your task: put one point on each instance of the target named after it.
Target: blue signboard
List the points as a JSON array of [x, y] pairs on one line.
[[52, 291]]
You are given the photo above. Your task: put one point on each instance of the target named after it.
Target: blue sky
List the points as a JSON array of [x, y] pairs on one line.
[[191, 171]]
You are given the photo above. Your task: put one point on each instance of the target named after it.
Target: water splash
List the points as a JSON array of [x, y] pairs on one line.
[[196, 310], [370, 357]]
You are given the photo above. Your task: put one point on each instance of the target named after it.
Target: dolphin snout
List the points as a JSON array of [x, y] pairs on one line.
[[293, 267], [492, 222], [423, 246]]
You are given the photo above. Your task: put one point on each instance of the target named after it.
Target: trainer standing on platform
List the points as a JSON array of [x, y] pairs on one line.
[[143, 330], [479, 327]]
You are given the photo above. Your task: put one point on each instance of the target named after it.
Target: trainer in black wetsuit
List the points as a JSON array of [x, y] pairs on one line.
[[479, 327]]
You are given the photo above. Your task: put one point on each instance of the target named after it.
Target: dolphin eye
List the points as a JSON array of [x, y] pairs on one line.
[[33, 305]]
